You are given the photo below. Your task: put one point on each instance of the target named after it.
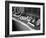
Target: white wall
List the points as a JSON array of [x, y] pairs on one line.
[[28, 0], [2, 19]]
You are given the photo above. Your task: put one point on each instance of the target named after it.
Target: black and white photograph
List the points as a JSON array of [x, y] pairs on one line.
[[25, 18]]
